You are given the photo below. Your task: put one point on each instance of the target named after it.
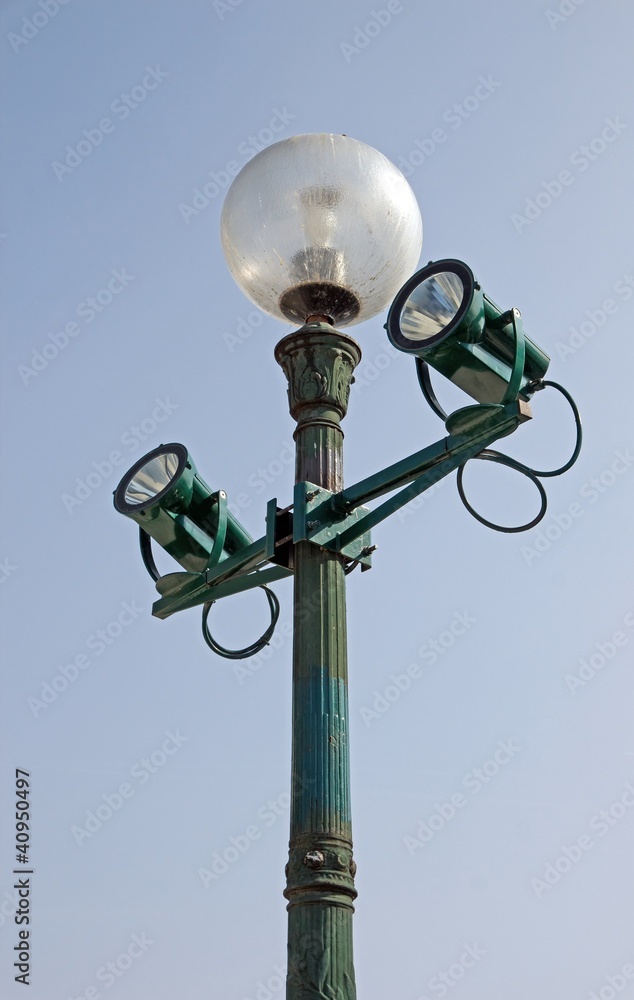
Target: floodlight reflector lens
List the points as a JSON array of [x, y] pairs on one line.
[[442, 316], [163, 477], [152, 478], [432, 306], [436, 301]]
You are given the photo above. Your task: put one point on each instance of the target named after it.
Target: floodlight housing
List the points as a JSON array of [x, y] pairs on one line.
[[442, 315], [164, 494]]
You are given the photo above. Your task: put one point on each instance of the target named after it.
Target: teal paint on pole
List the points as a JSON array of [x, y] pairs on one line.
[[318, 362]]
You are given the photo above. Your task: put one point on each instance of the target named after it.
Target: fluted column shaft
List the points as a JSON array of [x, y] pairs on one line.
[[318, 362]]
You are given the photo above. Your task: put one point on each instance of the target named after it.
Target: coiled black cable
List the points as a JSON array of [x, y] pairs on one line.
[[255, 647], [496, 456], [491, 455]]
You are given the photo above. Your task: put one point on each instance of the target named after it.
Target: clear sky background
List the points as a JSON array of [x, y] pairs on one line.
[[484, 106]]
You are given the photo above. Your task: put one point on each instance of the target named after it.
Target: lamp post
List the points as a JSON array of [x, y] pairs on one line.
[[306, 228], [320, 871], [323, 230]]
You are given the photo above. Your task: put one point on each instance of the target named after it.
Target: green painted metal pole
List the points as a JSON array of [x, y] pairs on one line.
[[318, 362]]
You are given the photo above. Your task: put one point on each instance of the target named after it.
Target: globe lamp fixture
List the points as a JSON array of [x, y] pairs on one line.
[[321, 226]]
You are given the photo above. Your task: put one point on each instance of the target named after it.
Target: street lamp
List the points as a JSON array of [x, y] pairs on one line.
[[324, 230]]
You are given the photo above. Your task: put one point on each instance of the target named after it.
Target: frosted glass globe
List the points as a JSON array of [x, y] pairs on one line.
[[321, 225]]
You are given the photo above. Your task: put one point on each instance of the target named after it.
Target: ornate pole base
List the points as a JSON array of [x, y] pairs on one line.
[[319, 362]]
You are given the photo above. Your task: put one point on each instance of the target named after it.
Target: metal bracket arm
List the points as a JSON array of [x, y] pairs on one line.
[[187, 590], [338, 522], [471, 430]]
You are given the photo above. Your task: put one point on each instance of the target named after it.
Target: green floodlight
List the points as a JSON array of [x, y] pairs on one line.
[[164, 494], [442, 316]]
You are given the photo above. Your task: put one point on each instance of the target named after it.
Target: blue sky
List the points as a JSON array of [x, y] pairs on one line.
[[122, 328]]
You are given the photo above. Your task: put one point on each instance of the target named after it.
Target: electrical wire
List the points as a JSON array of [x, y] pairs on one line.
[[496, 456], [537, 387], [427, 389], [145, 544], [491, 455], [255, 647]]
